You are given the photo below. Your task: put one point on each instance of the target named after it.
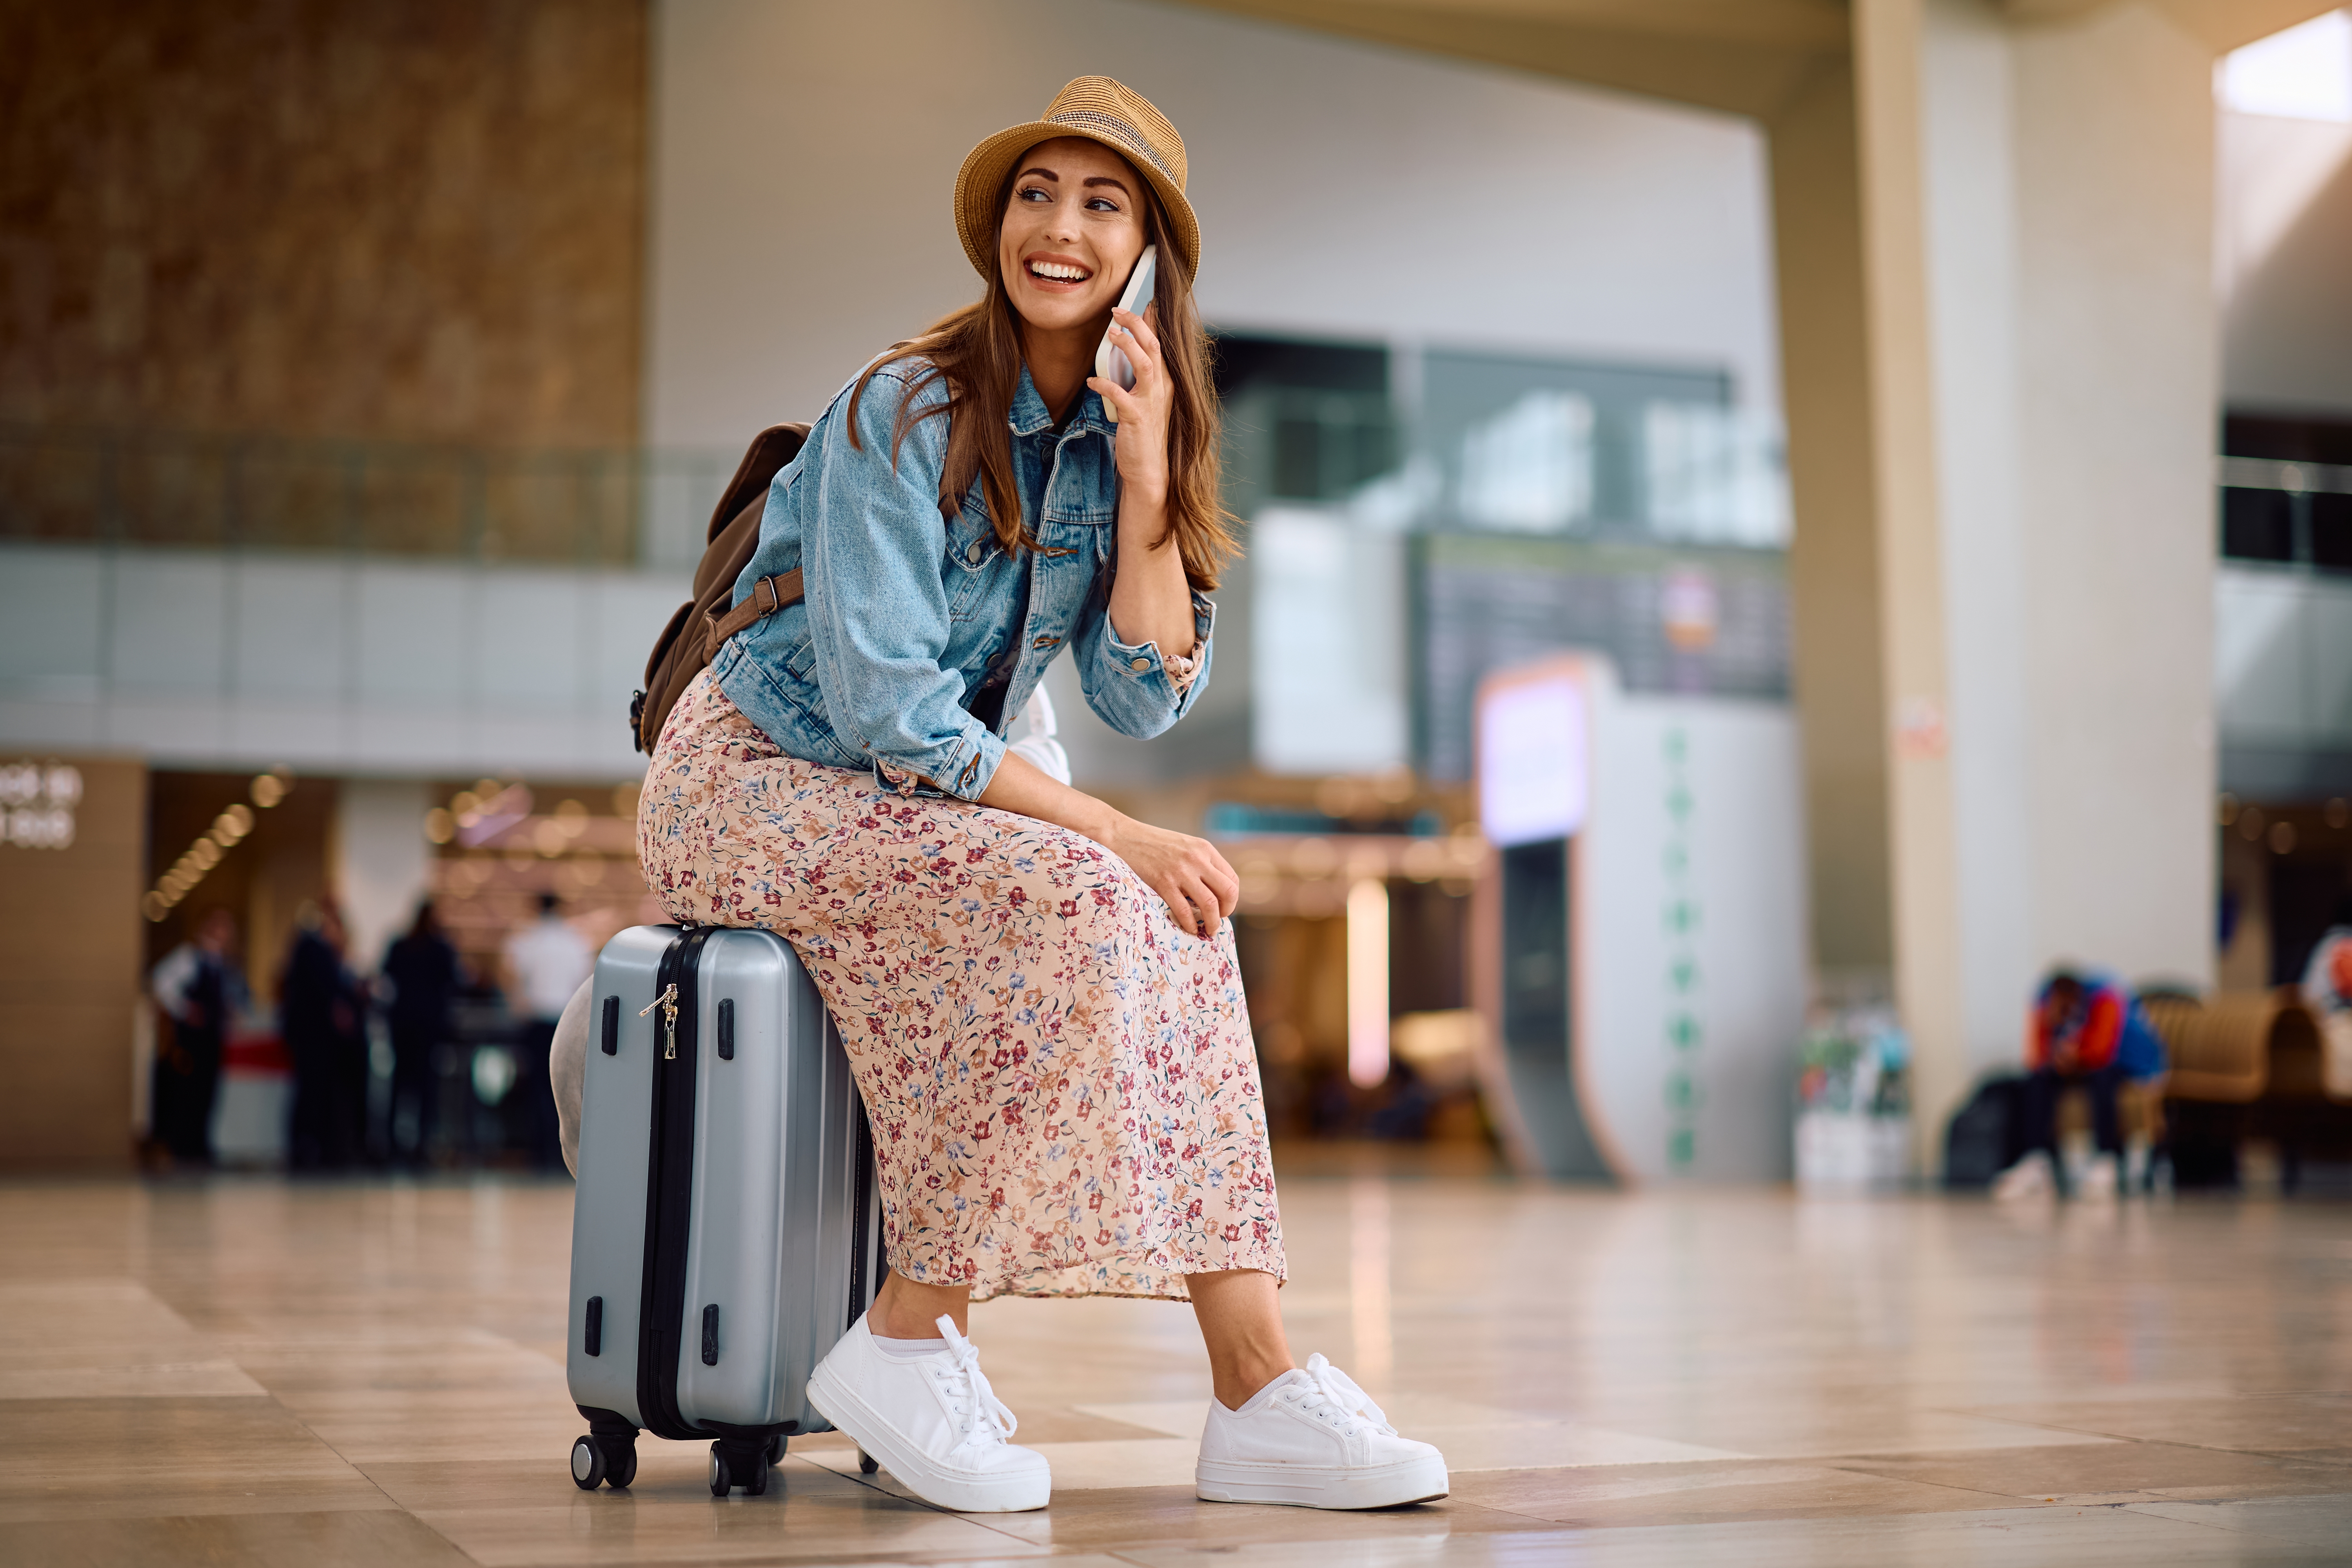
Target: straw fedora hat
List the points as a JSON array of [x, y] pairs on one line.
[[1100, 110]]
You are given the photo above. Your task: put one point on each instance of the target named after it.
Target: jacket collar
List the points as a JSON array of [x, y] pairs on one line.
[[1029, 414]]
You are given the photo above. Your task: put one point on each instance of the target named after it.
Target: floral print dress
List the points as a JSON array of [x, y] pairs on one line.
[[1062, 1083]]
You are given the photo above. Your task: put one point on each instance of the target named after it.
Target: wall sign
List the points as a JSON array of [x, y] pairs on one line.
[[37, 805], [1533, 780]]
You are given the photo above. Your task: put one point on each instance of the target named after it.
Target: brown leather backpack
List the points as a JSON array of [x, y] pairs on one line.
[[704, 623]]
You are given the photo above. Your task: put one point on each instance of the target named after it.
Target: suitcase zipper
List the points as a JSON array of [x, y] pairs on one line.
[[668, 1002], [669, 1195]]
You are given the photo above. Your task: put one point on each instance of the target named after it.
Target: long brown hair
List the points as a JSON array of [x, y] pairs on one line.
[[976, 351]]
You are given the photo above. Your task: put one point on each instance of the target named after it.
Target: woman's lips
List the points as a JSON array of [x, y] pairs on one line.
[[1054, 273]]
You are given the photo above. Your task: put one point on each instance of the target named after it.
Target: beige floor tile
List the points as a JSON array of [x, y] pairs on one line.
[[808, 1516], [1127, 1521], [83, 1458], [2085, 1469], [286, 1540], [2320, 1523], [1702, 1493], [2084, 1538], [2267, 1423], [215, 1379]]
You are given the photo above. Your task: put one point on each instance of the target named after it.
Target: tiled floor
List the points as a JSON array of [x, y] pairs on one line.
[[253, 1373]]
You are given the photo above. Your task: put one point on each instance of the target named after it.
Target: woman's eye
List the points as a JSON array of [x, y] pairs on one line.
[[1102, 204], [1034, 193]]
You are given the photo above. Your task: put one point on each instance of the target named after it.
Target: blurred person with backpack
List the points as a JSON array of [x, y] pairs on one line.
[[1039, 996], [2086, 1031]]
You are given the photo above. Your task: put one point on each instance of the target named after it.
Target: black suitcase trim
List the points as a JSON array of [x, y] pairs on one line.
[[669, 1212], [669, 1195]]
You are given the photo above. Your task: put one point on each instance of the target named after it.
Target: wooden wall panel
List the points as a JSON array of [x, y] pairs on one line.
[[70, 950], [324, 217]]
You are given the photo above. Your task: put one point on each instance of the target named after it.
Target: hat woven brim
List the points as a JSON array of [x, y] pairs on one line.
[[989, 164]]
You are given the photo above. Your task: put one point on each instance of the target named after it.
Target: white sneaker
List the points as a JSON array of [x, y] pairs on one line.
[[1313, 1439], [2099, 1182], [2028, 1178], [932, 1421]]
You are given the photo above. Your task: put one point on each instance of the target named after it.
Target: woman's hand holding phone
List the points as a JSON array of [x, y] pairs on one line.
[[1142, 410]]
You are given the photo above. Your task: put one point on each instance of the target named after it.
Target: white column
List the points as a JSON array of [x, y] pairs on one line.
[[2038, 241], [381, 864]]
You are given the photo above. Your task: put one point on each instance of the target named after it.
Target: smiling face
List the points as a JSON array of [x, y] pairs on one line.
[[1073, 229]]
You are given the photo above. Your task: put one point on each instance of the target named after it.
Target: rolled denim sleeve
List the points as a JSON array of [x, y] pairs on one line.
[[1127, 684], [877, 609]]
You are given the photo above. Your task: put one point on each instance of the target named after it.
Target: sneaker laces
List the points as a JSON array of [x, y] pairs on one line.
[[1327, 1384], [984, 1414]]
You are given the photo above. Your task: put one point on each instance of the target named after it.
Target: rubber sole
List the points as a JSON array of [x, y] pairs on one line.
[[927, 1480], [1303, 1485]]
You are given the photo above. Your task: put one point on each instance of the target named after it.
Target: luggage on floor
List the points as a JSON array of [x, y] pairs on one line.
[[726, 1229], [1987, 1135]]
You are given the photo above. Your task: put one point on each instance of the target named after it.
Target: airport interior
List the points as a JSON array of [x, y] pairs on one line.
[[1795, 566]]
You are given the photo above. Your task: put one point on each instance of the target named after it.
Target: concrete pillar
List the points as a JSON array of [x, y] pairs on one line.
[[1833, 568], [2037, 331]]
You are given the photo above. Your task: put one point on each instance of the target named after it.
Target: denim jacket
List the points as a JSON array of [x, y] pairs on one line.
[[907, 612]]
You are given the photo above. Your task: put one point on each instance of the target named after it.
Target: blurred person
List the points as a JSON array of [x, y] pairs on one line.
[[421, 975], [321, 1019], [1042, 1002], [546, 963], [199, 988], [2086, 1031], [2327, 992]]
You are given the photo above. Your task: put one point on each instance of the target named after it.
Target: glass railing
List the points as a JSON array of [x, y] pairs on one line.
[[608, 507], [2289, 514]]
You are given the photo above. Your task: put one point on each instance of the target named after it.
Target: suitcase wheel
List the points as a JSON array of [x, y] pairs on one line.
[[776, 1448], [739, 1464], [866, 1463], [620, 1461], [587, 1465], [600, 1460]]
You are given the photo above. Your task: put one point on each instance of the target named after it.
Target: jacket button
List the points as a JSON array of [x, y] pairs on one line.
[[973, 553], [1140, 663]]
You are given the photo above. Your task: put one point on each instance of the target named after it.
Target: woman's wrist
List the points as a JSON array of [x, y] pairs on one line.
[[1105, 826], [1144, 502]]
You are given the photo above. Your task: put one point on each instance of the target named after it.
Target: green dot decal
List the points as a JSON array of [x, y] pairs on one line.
[[1686, 1029]]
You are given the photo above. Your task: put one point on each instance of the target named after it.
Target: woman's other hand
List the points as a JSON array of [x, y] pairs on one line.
[[1199, 887]]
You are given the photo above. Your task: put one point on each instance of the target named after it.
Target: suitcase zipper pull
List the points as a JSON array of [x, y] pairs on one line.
[[668, 1002]]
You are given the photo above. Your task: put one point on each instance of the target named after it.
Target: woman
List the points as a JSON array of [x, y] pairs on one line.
[[1038, 994]]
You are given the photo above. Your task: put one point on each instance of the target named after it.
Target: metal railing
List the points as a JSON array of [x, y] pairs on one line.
[[611, 506], [2287, 514]]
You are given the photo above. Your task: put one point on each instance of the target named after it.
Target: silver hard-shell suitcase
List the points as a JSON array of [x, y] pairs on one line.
[[726, 1229]]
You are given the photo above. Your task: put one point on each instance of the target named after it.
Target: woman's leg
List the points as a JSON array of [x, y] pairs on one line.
[[905, 1310], [1242, 1326]]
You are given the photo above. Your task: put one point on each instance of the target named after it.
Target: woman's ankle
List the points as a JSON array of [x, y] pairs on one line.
[[1236, 1386], [903, 1309]]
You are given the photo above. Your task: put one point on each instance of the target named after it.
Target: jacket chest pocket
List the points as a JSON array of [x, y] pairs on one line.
[[972, 551]]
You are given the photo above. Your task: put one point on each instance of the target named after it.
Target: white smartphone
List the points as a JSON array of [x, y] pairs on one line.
[[1110, 360]]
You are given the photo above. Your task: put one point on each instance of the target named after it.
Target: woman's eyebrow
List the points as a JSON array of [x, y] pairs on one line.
[[1043, 174], [1107, 180]]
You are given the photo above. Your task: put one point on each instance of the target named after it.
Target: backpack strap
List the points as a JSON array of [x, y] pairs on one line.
[[768, 595]]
